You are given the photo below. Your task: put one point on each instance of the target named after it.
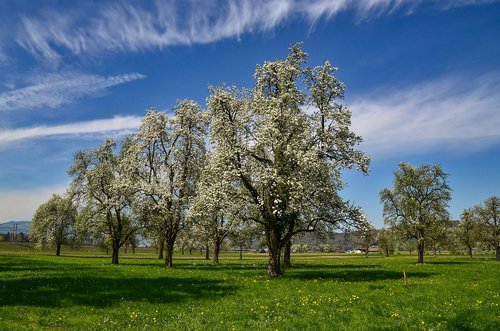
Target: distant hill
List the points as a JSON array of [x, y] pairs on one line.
[[22, 226]]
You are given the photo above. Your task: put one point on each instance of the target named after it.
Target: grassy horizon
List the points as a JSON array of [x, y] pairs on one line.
[[319, 293]]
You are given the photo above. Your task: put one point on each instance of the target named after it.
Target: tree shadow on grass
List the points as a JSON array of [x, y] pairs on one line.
[[261, 268], [327, 267], [262, 265], [449, 262], [30, 265], [222, 266], [356, 275], [98, 291]]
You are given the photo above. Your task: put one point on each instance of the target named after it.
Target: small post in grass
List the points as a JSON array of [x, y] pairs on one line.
[[405, 278]]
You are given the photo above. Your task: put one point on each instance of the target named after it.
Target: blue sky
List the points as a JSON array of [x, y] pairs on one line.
[[422, 76]]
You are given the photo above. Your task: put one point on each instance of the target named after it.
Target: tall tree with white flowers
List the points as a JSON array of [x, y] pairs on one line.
[[53, 223], [100, 186], [216, 211], [164, 161], [285, 144]]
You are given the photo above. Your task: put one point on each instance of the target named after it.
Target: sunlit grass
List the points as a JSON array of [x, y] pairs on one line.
[[330, 293]]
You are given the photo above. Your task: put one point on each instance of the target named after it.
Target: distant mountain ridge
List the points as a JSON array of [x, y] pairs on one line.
[[22, 226]]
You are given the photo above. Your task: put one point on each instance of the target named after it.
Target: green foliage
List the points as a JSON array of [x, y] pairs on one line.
[[365, 234], [439, 235], [488, 218], [417, 204], [387, 241], [43, 292], [468, 230]]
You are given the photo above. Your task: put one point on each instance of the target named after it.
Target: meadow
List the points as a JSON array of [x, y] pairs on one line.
[[320, 292]]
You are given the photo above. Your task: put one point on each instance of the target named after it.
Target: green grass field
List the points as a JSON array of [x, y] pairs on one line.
[[320, 292]]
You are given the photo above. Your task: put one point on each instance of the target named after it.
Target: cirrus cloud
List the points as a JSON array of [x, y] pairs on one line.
[[132, 26], [118, 125], [54, 91], [451, 113]]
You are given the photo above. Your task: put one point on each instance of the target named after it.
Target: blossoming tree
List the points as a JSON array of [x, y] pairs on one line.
[[284, 144], [216, 211], [100, 185], [53, 223], [164, 161]]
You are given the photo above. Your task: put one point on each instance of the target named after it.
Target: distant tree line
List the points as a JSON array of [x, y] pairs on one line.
[[14, 237]]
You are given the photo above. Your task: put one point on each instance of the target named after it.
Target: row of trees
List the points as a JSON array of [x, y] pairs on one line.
[[416, 211], [14, 237], [268, 158]]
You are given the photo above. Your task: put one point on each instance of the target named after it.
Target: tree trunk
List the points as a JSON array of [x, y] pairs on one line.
[[274, 248], [241, 253], [287, 262], [169, 252], [498, 253], [387, 252], [207, 252], [160, 249], [216, 252], [420, 249], [58, 250], [114, 256], [470, 251]]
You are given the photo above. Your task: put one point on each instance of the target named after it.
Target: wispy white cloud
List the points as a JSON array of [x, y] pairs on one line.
[[118, 125], [365, 9], [136, 26], [453, 113], [57, 90], [21, 204], [315, 10], [131, 27]]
